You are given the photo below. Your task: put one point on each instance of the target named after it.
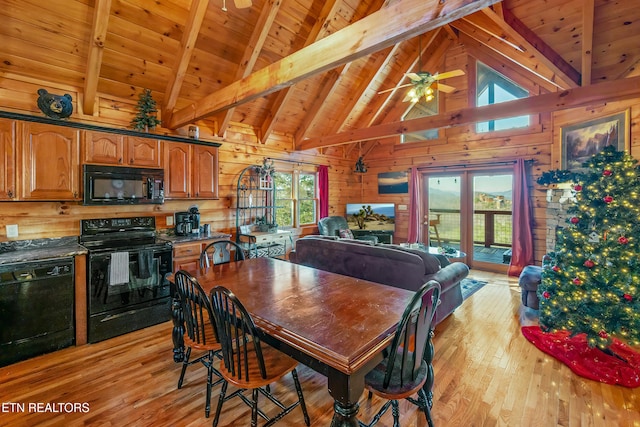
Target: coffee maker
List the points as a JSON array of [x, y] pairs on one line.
[[184, 223], [187, 222]]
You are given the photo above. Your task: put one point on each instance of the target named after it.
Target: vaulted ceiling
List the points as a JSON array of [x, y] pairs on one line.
[[308, 69]]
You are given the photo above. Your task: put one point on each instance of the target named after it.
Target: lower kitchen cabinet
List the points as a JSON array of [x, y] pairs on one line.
[[186, 255]]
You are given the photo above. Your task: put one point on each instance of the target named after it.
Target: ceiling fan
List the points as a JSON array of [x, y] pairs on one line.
[[423, 84], [240, 4]]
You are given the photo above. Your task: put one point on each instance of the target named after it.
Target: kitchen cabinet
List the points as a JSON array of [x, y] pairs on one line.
[[186, 255], [49, 166], [116, 149], [190, 171], [8, 160]]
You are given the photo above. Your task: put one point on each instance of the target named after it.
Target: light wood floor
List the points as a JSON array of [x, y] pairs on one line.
[[486, 374]]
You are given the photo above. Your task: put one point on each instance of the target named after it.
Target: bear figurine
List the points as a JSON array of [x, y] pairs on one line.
[[55, 106]]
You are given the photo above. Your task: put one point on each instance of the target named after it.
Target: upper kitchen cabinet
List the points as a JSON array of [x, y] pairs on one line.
[[205, 172], [8, 161], [115, 149], [49, 166], [190, 171]]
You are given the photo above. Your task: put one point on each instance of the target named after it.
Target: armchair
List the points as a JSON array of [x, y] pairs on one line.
[[332, 225]]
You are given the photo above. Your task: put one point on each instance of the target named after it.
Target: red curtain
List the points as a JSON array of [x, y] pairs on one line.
[[415, 207], [522, 237], [323, 189]]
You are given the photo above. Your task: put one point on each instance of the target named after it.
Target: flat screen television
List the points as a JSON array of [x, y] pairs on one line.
[[371, 216]]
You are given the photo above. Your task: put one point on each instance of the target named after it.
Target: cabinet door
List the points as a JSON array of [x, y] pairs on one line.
[[205, 172], [8, 161], [102, 147], [177, 170], [143, 152], [49, 162]]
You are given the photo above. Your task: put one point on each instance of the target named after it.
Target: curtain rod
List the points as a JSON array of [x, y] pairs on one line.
[[479, 165], [297, 161]]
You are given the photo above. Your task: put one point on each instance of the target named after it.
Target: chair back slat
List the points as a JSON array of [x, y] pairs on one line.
[[413, 334], [221, 252], [196, 307], [238, 335]]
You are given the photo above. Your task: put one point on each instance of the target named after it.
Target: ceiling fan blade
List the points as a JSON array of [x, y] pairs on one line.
[[413, 76], [394, 88], [448, 74], [444, 88], [242, 4]]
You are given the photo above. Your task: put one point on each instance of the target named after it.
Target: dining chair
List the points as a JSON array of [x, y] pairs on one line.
[[200, 333], [221, 252], [404, 370], [247, 362]]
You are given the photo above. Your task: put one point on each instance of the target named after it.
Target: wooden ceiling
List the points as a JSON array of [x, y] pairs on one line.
[[309, 69]]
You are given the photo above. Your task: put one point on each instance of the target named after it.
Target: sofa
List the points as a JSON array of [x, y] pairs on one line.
[[387, 264]]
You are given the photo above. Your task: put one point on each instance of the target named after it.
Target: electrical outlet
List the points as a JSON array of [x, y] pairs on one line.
[[402, 207], [12, 231], [169, 219]]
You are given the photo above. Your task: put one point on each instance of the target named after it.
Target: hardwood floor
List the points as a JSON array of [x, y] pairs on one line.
[[486, 374]]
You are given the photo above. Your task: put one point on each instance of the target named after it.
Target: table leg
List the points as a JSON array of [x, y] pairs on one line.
[[178, 330], [346, 390]]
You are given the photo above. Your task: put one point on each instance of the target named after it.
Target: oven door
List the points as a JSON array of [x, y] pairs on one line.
[[146, 280]]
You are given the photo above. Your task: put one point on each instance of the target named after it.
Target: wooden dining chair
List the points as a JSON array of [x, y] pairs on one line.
[[200, 333], [404, 370], [221, 252], [247, 362]]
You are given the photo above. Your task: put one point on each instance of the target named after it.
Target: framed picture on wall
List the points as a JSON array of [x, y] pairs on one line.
[[393, 182], [582, 140]]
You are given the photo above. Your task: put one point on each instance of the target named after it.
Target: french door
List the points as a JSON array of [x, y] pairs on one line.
[[470, 211]]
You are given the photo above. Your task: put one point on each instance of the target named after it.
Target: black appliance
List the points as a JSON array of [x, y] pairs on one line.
[[187, 222], [126, 275], [36, 308], [118, 185]]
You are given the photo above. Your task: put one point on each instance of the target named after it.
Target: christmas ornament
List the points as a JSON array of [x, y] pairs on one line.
[[627, 297], [577, 281], [589, 264], [623, 240], [574, 220], [577, 187], [608, 199], [607, 172]]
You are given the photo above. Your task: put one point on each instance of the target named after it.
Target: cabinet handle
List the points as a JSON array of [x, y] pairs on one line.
[[120, 160], [75, 194], [10, 194], [131, 161]]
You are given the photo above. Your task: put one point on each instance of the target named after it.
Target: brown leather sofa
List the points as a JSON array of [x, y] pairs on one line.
[[387, 264]]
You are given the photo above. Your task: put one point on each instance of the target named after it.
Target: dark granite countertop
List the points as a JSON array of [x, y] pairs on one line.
[[193, 237], [39, 249]]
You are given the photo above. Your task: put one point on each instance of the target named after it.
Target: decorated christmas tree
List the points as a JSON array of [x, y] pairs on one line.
[[145, 118], [591, 283]]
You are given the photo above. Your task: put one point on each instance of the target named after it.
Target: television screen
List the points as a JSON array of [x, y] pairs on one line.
[[371, 216]]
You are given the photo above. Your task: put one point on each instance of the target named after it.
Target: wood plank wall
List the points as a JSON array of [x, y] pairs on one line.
[[242, 147]]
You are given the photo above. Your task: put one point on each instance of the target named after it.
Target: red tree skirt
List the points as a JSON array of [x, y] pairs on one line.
[[589, 362]]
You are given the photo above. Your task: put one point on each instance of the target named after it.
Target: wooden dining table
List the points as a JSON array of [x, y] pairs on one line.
[[337, 325]]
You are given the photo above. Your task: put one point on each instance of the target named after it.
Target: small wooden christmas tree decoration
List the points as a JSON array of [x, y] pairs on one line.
[[145, 118]]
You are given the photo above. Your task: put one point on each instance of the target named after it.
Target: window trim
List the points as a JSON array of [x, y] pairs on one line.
[[295, 188]]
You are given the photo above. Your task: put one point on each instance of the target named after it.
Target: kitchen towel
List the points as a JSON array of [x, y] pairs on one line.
[[119, 268], [145, 264]]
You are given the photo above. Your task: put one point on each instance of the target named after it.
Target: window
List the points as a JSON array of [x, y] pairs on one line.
[[296, 198], [493, 88], [423, 108]]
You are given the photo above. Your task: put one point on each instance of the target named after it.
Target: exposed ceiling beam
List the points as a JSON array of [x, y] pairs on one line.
[[191, 29], [587, 40], [534, 44], [370, 34], [474, 27], [319, 30], [571, 98], [101, 13], [250, 56], [330, 85]]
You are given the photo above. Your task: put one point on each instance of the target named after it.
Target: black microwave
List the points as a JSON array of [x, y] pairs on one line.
[[119, 185]]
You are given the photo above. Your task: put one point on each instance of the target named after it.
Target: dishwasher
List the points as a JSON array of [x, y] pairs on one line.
[[36, 308]]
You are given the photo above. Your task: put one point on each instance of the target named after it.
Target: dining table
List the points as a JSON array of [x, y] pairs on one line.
[[337, 325]]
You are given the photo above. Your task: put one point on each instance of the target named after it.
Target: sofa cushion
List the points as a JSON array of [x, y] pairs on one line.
[[345, 233]]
